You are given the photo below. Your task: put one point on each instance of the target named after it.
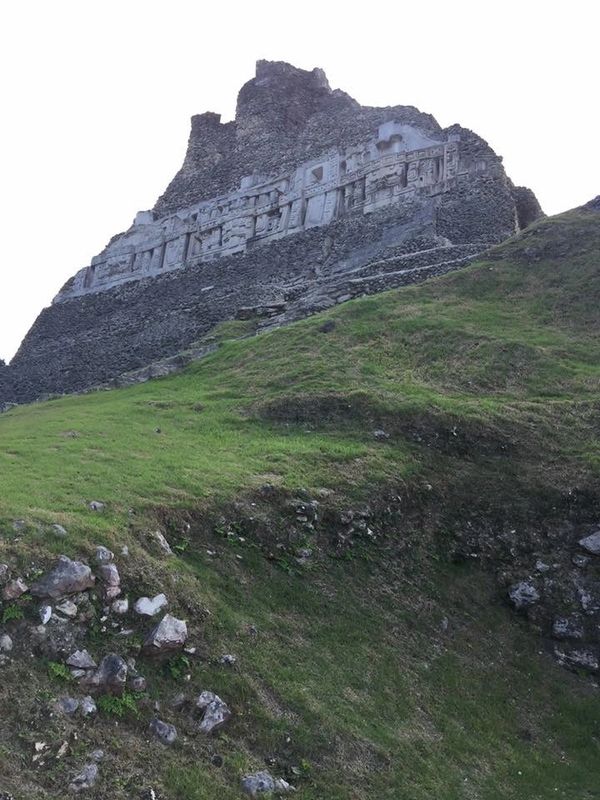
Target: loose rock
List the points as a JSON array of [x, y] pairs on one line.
[[103, 555], [66, 577], [523, 594], [6, 643], [57, 639], [111, 675], [120, 607], [96, 505], [264, 783], [138, 683], [591, 543], [283, 787], [67, 608], [148, 607], [81, 659], [162, 543], [258, 783], [109, 574], [588, 602], [14, 589], [169, 634], [88, 707], [381, 435], [85, 779], [164, 731], [567, 628], [578, 659], [67, 705], [216, 712]]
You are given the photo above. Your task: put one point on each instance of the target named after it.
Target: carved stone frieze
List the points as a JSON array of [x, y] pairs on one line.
[[397, 163]]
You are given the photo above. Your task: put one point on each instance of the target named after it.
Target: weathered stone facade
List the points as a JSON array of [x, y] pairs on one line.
[[305, 200], [390, 169]]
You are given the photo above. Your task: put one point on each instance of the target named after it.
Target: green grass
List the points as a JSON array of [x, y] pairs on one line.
[[487, 382]]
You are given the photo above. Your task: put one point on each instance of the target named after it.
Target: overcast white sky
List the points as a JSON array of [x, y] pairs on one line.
[[97, 96]]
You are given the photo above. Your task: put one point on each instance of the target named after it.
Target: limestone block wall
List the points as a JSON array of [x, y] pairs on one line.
[[387, 170]]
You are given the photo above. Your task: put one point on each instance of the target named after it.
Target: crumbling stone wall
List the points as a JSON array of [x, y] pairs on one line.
[[284, 117]]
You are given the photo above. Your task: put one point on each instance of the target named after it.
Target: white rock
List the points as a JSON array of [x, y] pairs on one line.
[[62, 750], [120, 606], [283, 787], [67, 608], [148, 607], [45, 612], [162, 543], [6, 643], [216, 712], [169, 634]]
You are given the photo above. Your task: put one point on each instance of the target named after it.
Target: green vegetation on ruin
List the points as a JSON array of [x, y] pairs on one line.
[[487, 383]]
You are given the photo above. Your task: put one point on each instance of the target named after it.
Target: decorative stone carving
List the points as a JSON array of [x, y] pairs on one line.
[[399, 161]]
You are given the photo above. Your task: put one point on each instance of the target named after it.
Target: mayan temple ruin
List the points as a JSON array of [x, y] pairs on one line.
[[306, 199]]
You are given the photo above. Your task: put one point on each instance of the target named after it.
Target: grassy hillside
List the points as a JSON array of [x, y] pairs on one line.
[[381, 668]]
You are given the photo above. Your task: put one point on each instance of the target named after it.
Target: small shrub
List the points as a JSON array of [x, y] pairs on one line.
[[59, 671], [119, 706], [177, 667], [11, 612]]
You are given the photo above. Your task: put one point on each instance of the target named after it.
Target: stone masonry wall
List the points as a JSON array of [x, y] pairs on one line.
[[284, 117]]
